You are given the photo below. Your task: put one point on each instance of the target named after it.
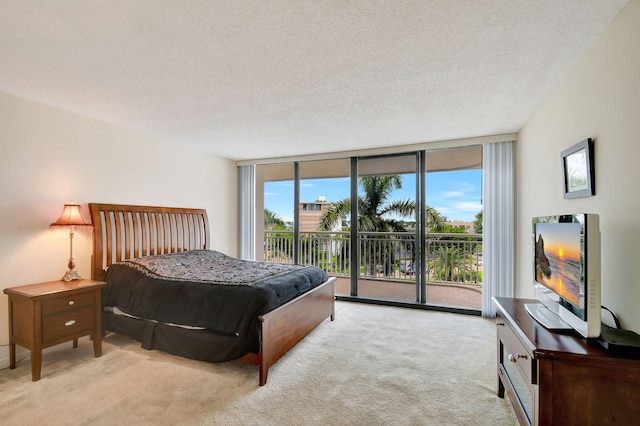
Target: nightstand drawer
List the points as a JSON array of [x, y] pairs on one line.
[[64, 303], [67, 324], [516, 354]]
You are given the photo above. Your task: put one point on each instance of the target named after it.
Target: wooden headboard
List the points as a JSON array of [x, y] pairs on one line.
[[122, 232]]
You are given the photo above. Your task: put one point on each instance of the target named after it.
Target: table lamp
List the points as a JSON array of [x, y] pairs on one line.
[[71, 218]]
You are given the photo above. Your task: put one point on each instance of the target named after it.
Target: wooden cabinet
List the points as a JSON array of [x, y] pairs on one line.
[[556, 378], [46, 314]]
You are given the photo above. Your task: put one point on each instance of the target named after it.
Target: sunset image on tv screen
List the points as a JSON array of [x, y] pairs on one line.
[[557, 259]]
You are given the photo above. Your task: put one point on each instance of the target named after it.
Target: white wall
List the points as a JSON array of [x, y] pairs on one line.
[[599, 98], [49, 157]]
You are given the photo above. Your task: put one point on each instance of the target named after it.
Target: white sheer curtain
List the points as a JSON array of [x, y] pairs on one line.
[[247, 211], [498, 224]]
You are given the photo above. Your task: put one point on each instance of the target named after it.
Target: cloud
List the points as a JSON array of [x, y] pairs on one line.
[[469, 206], [465, 210]]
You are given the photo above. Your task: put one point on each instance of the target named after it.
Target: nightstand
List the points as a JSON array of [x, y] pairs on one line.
[[47, 314]]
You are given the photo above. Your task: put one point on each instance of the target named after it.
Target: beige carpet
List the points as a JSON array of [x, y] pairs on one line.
[[374, 365]]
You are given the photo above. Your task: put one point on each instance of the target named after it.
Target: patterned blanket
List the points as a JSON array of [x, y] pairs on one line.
[[208, 266], [205, 288]]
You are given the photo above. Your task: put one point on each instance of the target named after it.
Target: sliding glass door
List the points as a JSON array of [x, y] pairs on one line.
[[453, 224], [388, 231], [402, 228], [275, 221], [323, 225]]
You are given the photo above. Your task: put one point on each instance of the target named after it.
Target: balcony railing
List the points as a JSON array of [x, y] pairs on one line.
[[449, 258]]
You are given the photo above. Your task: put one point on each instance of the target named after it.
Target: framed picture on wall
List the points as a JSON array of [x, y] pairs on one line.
[[577, 170]]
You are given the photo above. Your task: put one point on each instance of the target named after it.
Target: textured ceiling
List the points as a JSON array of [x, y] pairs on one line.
[[259, 79]]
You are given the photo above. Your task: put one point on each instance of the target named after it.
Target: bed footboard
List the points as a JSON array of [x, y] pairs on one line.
[[285, 326]]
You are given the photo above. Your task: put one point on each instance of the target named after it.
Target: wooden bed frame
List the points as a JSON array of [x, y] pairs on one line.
[[123, 232]]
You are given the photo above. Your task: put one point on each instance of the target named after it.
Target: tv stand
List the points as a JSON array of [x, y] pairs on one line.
[[549, 319], [555, 378]]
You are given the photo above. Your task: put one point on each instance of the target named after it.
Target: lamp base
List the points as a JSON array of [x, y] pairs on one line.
[[71, 275]]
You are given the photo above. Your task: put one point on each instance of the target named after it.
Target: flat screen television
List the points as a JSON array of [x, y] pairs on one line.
[[566, 273]]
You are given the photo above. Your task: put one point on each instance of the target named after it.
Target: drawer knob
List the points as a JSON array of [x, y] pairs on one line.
[[71, 322], [70, 302], [513, 358]]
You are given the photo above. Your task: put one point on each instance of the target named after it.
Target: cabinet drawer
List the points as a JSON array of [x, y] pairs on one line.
[[65, 303], [515, 353], [67, 324]]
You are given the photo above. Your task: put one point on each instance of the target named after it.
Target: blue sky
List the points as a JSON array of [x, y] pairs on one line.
[[456, 194]]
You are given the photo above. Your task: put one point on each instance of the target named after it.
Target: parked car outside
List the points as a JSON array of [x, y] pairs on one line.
[[406, 267]]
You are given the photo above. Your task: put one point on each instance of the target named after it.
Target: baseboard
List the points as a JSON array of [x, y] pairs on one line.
[[4, 355], [22, 353]]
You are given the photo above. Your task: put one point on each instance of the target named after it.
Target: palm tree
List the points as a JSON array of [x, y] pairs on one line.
[[374, 210], [477, 223], [435, 220], [272, 220], [376, 214], [278, 245], [450, 263]]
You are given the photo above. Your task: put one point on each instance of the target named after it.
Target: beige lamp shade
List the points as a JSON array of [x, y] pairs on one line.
[[71, 216]]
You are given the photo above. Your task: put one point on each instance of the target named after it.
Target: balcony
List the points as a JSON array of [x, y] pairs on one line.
[[453, 263]]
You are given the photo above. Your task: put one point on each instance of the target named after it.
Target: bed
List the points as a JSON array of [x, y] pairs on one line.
[[255, 312]]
